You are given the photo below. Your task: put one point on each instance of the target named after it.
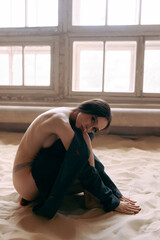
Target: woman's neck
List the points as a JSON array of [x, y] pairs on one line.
[[73, 116]]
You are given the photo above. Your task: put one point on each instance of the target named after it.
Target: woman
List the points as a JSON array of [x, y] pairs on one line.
[[58, 124]]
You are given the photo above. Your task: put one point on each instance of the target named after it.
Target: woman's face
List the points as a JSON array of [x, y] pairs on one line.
[[89, 122]]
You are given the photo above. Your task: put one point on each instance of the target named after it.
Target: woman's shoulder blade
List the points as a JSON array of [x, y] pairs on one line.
[[56, 119]]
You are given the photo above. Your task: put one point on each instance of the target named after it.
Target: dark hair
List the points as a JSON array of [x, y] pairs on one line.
[[97, 107]]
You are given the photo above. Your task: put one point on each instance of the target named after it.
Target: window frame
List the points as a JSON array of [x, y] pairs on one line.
[[61, 38], [134, 97], [151, 38], [27, 28], [103, 93], [139, 32], [53, 42]]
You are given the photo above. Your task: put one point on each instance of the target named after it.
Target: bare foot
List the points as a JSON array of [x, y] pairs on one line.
[[127, 208]]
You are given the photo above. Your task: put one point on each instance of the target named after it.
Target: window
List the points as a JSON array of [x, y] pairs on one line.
[[12, 13], [42, 13], [120, 60], [28, 13], [115, 12], [91, 12], [37, 66], [151, 79], [104, 66], [150, 12], [11, 65], [123, 12], [87, 66], [115, 54], [25, 66], [53, 50]]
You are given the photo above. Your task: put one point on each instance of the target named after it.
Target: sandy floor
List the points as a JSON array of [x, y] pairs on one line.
[[133, 164]]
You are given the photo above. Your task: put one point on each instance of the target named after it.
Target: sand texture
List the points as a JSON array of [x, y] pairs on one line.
[[133, 164]]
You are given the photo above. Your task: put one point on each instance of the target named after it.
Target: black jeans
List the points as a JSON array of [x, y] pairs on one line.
[[55, 170]]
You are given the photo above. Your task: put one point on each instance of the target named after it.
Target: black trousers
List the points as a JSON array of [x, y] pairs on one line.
[[54, 175]]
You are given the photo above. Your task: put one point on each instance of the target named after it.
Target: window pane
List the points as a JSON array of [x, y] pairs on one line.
[[87, 66], [88, 12], [11, 66], [12, 13], [18, 13], [37, 66], [5, 14], [39, 13], [123, 12], [151, 79], [42, 13], [4, 69], [150, 12], [120, 61], [17, 69]]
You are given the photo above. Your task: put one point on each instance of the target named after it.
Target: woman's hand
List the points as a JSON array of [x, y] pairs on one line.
[[127, 206], [124, 199]]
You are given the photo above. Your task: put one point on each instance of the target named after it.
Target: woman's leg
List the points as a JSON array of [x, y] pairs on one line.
[[25, 185], [28, 177]]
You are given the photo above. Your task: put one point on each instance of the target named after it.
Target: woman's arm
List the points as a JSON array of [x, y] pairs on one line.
[[105, 178], [89, 144], [126, 205], [90, 200]]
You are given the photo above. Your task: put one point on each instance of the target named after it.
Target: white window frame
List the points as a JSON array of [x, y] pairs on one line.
[[32, 36], [81, 93], [153, 95], [140, 33], [138, 96], [29, 30], [60, 39], [53, 42]]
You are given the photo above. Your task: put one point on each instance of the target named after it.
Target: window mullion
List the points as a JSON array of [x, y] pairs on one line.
[[140, 12], [106, 18], [103, 73], [37, 10], [10, 67], [26, 13], [35, 69], [139, 67], [22, 65], [11, 14]]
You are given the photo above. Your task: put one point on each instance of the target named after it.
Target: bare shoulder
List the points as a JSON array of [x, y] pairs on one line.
[[57, 122], [58, 117]]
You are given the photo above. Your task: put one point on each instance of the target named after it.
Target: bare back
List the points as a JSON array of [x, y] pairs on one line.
[[43, 132]]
